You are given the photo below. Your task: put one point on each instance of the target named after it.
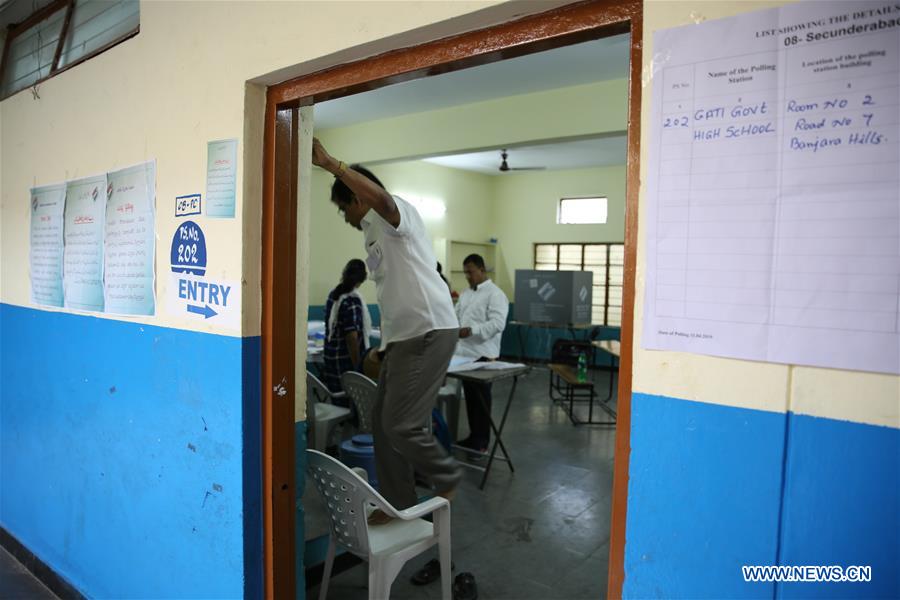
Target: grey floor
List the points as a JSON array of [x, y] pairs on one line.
[[542, 532], [16, 583]]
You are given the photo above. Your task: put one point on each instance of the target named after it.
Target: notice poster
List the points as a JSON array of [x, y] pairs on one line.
[[221, 178], [85, 217], [773, 196], [130, 241], [46, 256]]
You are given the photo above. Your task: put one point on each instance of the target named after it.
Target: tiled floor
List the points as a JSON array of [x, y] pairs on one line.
[[541, 533], [16, 583]]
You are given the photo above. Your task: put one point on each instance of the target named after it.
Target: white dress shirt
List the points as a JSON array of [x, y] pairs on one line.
[[484, 309], [411, 294]]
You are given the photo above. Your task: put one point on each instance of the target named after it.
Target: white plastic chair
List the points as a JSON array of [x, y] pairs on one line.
[[321, 415], [363, 391], [350, 499]]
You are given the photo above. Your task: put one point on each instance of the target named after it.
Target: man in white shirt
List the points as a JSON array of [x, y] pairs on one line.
[[419, 331], [482, 311]]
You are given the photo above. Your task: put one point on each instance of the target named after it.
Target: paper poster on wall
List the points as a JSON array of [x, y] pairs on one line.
[[130, 241], [85, 217], [773, 201], [221, 178], [46, 256]]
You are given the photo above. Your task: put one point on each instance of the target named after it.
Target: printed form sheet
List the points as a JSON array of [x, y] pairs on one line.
[[773, 222]]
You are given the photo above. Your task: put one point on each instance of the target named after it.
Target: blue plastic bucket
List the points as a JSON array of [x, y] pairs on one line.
[[359, 451]]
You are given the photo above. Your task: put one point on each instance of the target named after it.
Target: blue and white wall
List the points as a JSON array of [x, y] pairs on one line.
[[743, 463], [130, 447]]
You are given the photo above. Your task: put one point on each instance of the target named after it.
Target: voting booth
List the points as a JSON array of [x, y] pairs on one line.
[[553, 296]]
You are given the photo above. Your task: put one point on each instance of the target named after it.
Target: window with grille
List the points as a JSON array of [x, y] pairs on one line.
[[605, 261], [60, 35]]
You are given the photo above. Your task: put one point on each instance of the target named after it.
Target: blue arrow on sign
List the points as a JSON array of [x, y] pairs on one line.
[[206, 311]]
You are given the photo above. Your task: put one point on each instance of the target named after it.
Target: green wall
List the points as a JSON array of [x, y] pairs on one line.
[[468, 197], [525, 207], [518, 209]]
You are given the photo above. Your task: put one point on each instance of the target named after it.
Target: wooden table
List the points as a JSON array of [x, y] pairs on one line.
[[613, 348]]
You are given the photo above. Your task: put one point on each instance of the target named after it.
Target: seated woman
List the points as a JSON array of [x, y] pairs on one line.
[[348, 325]]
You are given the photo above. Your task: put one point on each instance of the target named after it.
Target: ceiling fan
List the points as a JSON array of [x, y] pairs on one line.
[[504, 166]]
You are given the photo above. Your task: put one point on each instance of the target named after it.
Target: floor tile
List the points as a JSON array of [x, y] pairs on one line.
[[17, 583]]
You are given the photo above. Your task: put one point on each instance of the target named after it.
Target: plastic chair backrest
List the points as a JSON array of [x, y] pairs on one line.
[[363, 391], [346, 495], [317, 388]]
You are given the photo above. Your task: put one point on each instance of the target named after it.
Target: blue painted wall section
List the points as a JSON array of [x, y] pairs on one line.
[[703, 497], [254, 587], [842, 505], [122, 450], [712, 488], [519, 341]]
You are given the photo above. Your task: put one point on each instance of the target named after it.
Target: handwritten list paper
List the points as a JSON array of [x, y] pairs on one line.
[[221, 178], [47, 205], [129, 241], [83, 256], [773, 223]]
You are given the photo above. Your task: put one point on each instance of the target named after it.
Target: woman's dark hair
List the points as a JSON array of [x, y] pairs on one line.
[[441, 273], [353, 275], [342, 194]]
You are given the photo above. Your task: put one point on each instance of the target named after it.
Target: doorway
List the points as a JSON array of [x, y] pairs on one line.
[[553, 29]]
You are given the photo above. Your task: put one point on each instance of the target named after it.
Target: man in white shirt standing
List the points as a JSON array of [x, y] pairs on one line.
[[419, 331], [482, 311]]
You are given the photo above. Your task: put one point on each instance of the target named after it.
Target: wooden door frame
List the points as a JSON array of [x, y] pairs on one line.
[[544, 31]]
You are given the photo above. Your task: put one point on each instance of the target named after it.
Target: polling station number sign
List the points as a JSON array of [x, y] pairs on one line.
[[190, 292], [189, 249]]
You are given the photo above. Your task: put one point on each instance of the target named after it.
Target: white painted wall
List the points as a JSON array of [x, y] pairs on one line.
[[162, 95], [182, 82]]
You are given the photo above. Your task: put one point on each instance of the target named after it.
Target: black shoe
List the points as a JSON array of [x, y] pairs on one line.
[[470, 444], [464, 587], [430, 572]]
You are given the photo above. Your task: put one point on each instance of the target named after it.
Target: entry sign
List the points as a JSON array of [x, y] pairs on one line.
[[203, 297], [191, 294]]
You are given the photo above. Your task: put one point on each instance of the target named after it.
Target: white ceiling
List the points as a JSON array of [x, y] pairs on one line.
[[578, 64], [579, 154], [588, 62]]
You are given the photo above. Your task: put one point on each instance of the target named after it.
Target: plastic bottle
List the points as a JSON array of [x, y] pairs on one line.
[[582, 368]]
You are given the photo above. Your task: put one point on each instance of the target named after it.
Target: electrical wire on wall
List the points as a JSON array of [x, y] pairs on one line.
[[35, 92]]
